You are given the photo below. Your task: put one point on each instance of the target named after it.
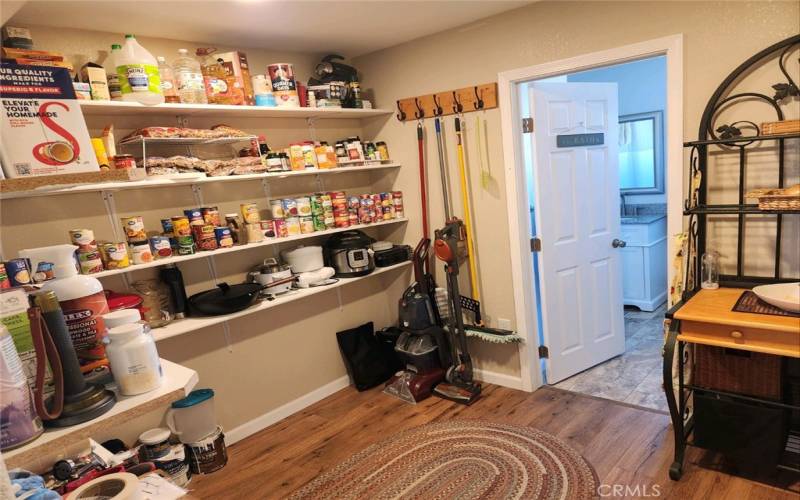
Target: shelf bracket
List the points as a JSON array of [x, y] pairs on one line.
[[266, 188], [339, 298], [116, 229], [320, 184], [198, 195], [312, 131], [182, 121], [226, 331]]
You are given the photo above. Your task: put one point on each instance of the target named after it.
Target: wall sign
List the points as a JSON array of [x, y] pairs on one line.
[[578, 140]]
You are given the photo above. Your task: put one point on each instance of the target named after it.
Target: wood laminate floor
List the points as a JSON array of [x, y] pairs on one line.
[[627, 446]]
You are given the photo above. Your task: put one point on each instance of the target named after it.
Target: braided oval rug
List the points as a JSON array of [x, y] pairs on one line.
[[460, 459]]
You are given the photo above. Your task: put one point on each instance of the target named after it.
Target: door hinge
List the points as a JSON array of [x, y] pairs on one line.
[[536, 245], [527, 125], [544, 352]]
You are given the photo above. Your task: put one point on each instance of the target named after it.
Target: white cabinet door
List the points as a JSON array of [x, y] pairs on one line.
[[634, 288]]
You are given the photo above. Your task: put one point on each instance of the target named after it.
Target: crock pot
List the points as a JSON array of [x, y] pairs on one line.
[[303, 259], [349, 254]]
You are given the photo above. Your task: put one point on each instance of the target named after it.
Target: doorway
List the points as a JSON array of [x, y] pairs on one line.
[[582, 126]]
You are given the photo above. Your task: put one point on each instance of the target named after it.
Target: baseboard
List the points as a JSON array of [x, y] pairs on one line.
[[262, 422], [495, 378]]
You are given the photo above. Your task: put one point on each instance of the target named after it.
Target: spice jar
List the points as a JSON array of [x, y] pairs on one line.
[[155, 302]]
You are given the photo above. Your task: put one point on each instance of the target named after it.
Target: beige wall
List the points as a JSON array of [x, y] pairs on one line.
[[274, 356], [717, 37]]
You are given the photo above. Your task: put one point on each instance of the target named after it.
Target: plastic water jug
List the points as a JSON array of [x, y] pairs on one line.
[[138, 74], [192, 418]]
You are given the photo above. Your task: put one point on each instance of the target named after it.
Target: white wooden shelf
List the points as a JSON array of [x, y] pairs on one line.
[[223, 110], [178, 382], [188, 325], [238, 248], [156, 182]]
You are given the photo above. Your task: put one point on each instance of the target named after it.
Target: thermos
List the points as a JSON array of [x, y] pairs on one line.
[[172, 276]]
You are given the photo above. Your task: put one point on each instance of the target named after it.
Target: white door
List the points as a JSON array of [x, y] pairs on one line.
[[576, 182]]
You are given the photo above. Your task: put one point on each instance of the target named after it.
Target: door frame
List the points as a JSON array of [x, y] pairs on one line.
[[516, 179]]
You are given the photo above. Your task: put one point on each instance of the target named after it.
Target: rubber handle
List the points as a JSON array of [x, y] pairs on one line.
[[419, 132], [458, 125], [74, 382], [438, 127]]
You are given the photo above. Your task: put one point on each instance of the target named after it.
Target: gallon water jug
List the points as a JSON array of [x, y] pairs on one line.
[[189, 79], [138, 74]]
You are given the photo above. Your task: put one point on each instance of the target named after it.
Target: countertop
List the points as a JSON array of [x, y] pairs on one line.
[[642, 219]]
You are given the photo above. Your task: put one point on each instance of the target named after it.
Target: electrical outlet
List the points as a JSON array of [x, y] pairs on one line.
[[504, 324]]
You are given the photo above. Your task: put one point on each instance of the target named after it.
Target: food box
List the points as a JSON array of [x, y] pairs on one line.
[[235, 64], [43, 131]]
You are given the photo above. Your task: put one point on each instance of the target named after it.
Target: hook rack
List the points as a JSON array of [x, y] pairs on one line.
[[450, 102]]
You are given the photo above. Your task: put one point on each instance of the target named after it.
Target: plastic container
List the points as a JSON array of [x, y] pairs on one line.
[[138, 74], [192, 418], [168, 86], [19, 423], [111, 73], [134, 359], [155, 444], [189, 79], [709, 270], [82, 300], [121, 317]]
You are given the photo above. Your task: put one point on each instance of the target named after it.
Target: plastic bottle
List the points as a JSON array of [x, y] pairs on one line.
[[189, 78], [138, 74], [168, 87], [111, 73], [134, 359], [82, 300]]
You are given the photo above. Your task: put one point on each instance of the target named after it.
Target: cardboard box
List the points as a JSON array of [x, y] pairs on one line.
[[235, 64], [42, 131], [14, 315], [43, 55]]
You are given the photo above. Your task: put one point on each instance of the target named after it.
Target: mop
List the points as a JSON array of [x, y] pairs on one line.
[[494, 335]]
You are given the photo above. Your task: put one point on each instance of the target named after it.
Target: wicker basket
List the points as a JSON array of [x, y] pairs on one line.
[[777, 199], [782, 127], [742, 372]]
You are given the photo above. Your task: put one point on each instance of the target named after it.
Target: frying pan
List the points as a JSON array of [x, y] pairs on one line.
[[228, 299]]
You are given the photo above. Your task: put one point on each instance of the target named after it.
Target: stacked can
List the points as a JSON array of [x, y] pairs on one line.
[[137, 239], [182, 231], [321, 208], [88, 254], [387, 206], [341, 217], [397, 201]]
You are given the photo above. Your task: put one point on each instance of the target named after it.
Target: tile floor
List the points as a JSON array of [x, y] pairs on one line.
[[635, 376]]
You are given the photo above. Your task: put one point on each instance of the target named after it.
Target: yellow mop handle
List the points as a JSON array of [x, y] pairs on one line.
[[462, 171]]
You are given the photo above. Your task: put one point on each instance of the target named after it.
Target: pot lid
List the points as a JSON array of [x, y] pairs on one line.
[[154, 436], [195, 397], [118, 301]]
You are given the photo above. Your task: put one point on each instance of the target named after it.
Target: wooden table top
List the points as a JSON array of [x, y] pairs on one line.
[[716, 306]]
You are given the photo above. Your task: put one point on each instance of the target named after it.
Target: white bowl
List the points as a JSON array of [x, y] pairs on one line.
[[783, 295]]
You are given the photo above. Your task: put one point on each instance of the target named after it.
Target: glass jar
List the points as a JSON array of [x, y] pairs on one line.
[[155, 302], [709, 270]]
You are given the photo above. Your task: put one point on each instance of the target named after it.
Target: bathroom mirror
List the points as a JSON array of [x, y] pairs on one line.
[[641, 153]]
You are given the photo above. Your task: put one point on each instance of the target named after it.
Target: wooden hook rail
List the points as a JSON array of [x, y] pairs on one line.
[[463, 100]]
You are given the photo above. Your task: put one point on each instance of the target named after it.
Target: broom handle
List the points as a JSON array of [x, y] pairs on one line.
[[462, 171], [422, 183]]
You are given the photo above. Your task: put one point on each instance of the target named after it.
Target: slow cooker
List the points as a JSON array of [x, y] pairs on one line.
[[349, 254]]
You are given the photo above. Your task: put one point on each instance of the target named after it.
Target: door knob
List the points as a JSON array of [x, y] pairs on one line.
[[618, 243]]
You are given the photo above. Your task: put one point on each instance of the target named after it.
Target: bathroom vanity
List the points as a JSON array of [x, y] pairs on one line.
[[644, 261]]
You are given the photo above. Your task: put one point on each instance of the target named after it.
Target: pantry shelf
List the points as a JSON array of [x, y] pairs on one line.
[[178, 382], [109, 108], [221, 251], [155, 182], [186, 141], [188, 325]]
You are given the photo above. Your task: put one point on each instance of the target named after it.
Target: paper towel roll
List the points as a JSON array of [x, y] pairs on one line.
[[119, 486]]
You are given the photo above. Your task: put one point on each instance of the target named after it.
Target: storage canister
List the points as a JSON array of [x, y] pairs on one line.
[[133, 358]]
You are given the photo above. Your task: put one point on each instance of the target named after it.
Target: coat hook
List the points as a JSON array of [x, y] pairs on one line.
[[457, 106], [437, 110], [478, 98], [401, 115], [419, 113]]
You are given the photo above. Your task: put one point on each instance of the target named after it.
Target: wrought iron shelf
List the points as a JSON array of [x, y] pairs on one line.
[[735, 210], [735, 141]]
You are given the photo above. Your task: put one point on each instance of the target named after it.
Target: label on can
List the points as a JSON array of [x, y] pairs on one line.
[[114, 255], [276, 207], [4, 281], [195, 216], [166, 225], [211, 216], [141, 254], [83, 238], [161, 246], [289, 207], [134, 229], [250, 213], [86, 329], [280, 228], [223, 237], [306, 225], [292, 226], [181, 226], [303, 206], [19, 272]]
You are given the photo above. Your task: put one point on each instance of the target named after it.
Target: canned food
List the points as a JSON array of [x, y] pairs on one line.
[[306, 225], [353, 202], [166, 226], [124, 162], [386, 199], [268, 228], [337, 195], [223, 237], [319, 222], [292, 226], [397, 201], [388, 213], [83, 238], [114, 255], [185, 240], [289, 207], [204, 237], [303, 206], [161, 246], [254, 234], [341, 221], [280, 228], [186, 249], [376, 199], [330, 221], [4, 281], [352, 218], [382, 150], [249, 213], [181, 226], [211, 216], [365, 215], [195, 216], [19, 272], [90, 262], [141, 253], [45, 271], [276, 209], [134, 229]]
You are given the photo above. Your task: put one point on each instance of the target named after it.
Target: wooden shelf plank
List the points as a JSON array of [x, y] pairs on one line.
[[188, 325], [155, 182], [178, 382]]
